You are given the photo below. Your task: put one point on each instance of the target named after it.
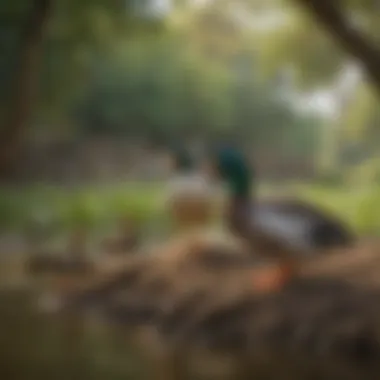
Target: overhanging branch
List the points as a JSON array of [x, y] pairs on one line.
[[355, 42]]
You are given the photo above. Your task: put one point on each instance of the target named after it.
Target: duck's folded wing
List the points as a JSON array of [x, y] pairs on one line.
[[304, 224], [294, 230]]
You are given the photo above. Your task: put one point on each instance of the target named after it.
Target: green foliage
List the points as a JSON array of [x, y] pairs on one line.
[[295, 38], [124, 72], [301, 45], [361, 119], [153, 88], [162, 85], [76, 31], [297, 41]]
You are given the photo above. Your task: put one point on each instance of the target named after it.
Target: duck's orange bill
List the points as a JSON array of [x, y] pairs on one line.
[[273, 278]]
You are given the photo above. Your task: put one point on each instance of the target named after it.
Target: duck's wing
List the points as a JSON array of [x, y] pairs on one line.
[[294, 230], [303, 223]]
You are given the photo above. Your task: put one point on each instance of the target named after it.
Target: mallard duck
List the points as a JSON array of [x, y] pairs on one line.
[[230, 166], [284, 230], [295, 222]]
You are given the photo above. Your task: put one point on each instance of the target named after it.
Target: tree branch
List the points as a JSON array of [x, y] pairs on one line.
[[25, 82], [356, 43]]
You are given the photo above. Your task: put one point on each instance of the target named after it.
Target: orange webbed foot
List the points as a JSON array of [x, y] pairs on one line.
[[273, 278]]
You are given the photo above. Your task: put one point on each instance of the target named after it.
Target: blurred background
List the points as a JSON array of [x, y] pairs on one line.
[[86, 85]]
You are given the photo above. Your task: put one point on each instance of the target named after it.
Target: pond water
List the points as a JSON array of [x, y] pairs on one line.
[[34, 345], [37, 346]]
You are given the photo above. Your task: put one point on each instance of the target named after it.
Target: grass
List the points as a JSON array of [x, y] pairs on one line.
[[99, 207], [63, 208]]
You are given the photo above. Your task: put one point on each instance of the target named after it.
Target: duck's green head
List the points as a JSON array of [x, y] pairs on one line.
[[235, 171]]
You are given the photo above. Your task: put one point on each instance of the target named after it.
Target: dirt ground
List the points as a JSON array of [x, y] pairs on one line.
[[336, 298]]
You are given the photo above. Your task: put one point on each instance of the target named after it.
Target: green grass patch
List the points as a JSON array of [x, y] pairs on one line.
[[99, 207], [360, 207], [64, 208]]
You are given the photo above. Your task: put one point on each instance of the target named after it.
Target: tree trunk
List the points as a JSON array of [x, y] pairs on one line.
[[356, 43], [25, 85]]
